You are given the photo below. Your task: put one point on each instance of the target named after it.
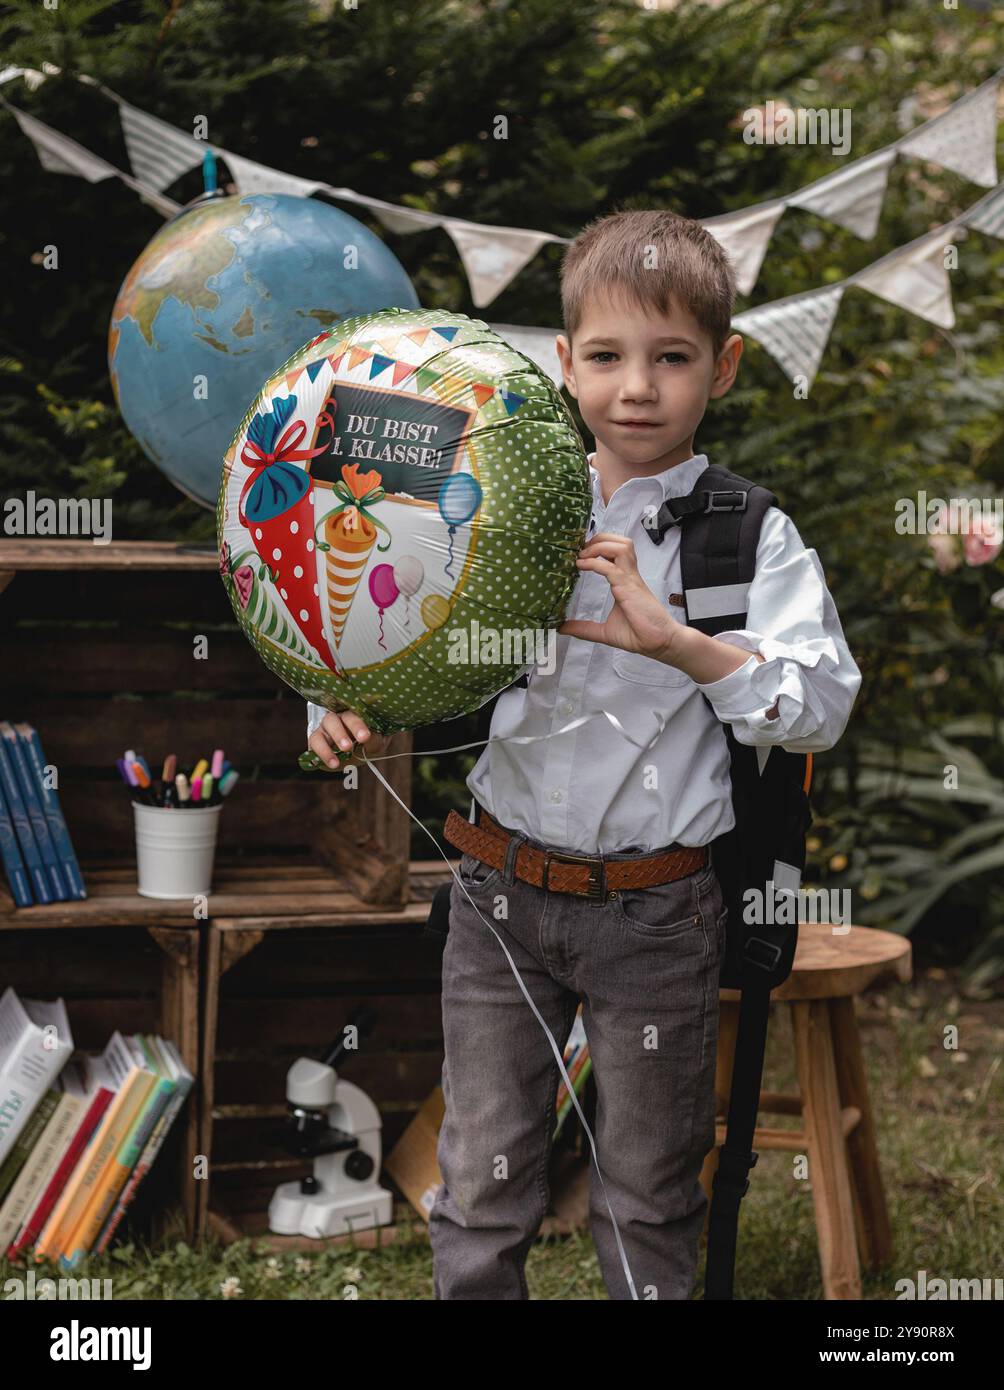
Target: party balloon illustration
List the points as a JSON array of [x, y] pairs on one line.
[[409, 572], [459, 499], [407, 452], [383, 592]]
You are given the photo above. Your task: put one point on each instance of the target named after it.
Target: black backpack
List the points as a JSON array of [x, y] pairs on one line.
[[720, 522]]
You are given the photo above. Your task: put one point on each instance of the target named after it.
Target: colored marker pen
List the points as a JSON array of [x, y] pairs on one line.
[[207, 789], [183, 790], [228, 781]]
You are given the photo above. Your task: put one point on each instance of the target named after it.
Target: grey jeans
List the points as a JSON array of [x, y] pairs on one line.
[[645, 965]]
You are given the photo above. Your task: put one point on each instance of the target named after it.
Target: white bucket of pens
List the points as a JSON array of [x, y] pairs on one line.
[[175, 849], [176, 819]]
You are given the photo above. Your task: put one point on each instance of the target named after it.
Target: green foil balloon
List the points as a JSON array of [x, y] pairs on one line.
[[404, 492]]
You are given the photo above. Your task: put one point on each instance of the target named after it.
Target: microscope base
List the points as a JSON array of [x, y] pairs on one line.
[[290, 1213]]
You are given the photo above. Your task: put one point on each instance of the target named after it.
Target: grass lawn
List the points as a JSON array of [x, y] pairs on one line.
[[938, 1113]]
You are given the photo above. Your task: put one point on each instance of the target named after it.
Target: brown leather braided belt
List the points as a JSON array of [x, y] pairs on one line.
[[588, 875]]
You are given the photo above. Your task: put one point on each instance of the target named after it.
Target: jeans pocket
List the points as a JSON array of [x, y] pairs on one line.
[[475, 873], [664, 911]]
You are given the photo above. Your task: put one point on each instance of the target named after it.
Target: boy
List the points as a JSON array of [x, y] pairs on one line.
[[647, 300]]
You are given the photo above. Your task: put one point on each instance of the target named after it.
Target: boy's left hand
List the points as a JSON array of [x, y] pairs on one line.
[[637, 622]]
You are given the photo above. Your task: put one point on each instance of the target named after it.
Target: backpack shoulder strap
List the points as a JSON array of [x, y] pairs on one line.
[[718, 548]]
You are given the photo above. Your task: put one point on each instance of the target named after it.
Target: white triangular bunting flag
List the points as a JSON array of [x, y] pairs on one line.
[[988, 214], [492, 256], [963, 138], [394, 217], [159, 153], [794, 331], [744, 236], [58, 153], [852, 197], [915, 278], [536, 343], [167, 207], [251, 177]]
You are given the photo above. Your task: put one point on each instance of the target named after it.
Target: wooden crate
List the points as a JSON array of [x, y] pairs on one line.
[[97, 650], [280, 986], [138, 981]]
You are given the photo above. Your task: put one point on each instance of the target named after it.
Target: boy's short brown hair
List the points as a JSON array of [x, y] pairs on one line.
[[651, 255]]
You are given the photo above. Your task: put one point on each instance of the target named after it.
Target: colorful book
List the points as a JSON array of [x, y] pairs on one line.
[[134, 1082], [11, 1167], [17, 874], [35, 1044], [172, 1064], [116, 1175], [28, 786], [98, 1093], [32, 745], [578, 1064], [40, 885], [43, 1155]]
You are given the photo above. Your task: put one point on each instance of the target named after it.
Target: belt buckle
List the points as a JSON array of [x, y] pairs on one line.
[[597, 880]]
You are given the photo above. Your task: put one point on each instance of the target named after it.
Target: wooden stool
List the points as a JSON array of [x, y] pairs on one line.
[[838, 1131]]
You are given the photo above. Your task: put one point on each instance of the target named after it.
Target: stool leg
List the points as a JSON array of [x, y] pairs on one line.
[[728, 1028], [876, 1232], [828, 1170]]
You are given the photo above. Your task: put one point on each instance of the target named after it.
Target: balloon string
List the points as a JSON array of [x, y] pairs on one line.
[[536, 738], [526, 994], [449, 561], [380, 639]]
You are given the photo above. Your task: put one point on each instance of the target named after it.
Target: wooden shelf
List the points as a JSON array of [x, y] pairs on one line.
[[117, 555], [259, 896]]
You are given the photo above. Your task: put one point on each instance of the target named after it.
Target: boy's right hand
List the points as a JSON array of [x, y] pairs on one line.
[[340, 731]]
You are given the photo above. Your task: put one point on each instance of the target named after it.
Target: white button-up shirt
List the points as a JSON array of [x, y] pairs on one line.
[[591, 791]]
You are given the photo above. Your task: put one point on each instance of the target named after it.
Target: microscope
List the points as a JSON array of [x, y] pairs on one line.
[[338, 1126]]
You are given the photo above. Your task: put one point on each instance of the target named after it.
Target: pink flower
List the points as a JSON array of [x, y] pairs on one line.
[[946, 552], [982, 543], [980, 532], [244, 579]]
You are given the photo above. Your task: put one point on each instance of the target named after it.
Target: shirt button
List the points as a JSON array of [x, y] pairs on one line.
[[557, 795], [566, 707]]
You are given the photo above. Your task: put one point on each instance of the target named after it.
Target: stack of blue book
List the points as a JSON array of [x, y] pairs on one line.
[[34, 841]]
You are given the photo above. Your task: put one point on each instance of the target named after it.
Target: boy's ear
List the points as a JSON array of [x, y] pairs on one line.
[[726, 366], [564, 351]]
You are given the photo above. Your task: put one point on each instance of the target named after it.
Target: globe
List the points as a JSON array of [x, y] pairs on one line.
[[220, 298]]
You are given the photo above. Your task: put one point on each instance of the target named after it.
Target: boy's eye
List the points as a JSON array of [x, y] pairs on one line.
[[596, 356]]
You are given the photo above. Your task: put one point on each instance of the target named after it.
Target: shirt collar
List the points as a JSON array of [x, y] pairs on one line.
[[676, 481]]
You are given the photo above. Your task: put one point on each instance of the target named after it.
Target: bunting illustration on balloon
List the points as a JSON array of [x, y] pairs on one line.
[[350, 534]]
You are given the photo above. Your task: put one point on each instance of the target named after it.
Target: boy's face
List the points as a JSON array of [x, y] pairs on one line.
[[631, 364]]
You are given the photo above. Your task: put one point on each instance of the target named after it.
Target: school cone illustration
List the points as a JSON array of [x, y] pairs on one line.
[[349, 535]]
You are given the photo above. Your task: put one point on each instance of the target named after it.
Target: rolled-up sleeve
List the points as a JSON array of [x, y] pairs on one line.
[[808, 671]]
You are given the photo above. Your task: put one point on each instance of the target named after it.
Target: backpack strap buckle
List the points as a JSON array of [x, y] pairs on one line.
[[764, 954], [726, 501]]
